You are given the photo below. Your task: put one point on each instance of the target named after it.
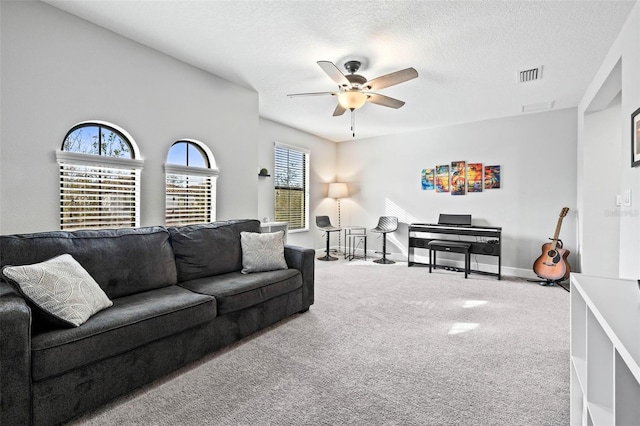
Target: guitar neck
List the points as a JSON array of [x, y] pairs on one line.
[[557, 233]]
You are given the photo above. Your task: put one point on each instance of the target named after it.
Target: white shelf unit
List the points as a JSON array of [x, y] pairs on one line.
[[605, 351]]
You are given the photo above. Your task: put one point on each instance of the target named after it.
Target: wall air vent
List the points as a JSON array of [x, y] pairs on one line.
[[531, 74], [542, 106]]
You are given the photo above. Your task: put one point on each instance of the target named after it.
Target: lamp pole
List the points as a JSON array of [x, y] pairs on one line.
[[339, 226], [338, 190]]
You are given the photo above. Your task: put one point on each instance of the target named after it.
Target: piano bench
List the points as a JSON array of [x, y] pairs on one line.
[[452, 247]]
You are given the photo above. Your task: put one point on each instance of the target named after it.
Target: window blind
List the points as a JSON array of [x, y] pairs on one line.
[[291, 186], [190, 194], [98, 196], [189, 198]]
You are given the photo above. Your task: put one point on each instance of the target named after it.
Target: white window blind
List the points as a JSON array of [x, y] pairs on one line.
[[94, 195], [190, 195], [291, 177]]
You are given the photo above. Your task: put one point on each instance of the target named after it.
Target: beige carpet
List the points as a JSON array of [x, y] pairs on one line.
[[383, 344]]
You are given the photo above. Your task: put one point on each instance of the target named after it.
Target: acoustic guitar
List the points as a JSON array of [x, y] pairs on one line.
[[552, 264]]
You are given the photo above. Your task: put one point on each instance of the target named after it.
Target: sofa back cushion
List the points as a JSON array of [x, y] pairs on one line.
[[208, 249], [122, 261]]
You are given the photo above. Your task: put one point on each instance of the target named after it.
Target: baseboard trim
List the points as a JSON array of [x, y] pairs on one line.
[[485, 267]]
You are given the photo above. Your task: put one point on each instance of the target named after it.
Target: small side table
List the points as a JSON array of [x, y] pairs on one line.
[[266, 227], [353, 237]]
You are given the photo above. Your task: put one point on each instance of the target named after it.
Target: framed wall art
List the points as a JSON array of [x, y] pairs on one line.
[[442, 178], [458, 177], [427, 179], [491, 177], [635, 138], [474, 177], [461, 178]]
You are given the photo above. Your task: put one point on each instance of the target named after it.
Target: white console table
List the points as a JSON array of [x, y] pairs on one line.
[[605, 351], [275, 227]]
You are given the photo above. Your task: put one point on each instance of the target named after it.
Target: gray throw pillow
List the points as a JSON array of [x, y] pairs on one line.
[[61, 288], [262, 252]]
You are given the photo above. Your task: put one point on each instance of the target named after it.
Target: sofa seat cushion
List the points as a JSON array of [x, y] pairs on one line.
[[235, 291], [131, 322]]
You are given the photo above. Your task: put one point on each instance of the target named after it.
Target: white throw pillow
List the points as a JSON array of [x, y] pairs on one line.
[[60, 287], [262, 252]]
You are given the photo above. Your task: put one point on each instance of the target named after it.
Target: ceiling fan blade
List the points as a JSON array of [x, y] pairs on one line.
[[392, 79], [335, 74], [292, 95], [383, 100], [339, 110]]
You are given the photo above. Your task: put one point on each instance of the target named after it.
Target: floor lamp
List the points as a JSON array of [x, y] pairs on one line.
[[338, 190]]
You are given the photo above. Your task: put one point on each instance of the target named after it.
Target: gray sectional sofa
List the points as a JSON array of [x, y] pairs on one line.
[[177, 293]]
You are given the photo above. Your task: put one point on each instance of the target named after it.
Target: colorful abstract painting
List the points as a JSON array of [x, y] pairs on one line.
[[474, 177], [458, 181], [491, 177], [442, 178], [427, 179]]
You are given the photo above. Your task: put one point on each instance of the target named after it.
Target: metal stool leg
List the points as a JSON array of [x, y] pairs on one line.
[[326, 255], [467, 262], [347, 241], [384, 260], [365, 247]]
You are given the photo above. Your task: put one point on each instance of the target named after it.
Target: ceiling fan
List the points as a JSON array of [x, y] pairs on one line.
[[354, 90]]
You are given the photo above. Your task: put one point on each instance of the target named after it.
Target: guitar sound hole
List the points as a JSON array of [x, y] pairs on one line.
[[552, 253]]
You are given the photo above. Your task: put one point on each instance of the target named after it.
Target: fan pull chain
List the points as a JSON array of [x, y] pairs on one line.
[[353, 123]]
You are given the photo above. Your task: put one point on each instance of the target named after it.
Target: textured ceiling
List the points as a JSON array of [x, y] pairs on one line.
[[468, 54]]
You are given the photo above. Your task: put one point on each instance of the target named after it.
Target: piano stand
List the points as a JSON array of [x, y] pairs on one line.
[[452, 247], [481, 240]]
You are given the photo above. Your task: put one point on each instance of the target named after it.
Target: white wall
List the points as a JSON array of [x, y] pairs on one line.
[[536, 153], [322, 171], [600, 246], [58, 70], [624, 52]]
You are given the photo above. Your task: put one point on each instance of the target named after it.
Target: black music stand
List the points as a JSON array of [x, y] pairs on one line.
[[454, 219]]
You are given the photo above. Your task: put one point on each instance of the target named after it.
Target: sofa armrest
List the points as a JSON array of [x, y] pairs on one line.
[[302, 259], [15, 357]]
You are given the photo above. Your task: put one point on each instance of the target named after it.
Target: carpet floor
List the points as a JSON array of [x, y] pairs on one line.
[[382, 345]]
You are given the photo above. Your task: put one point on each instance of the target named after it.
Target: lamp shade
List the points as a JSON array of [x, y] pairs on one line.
[[338, 190], [352, 99]]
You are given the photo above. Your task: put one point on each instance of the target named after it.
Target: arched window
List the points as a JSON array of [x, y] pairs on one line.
[[99, 177], [191, 177]]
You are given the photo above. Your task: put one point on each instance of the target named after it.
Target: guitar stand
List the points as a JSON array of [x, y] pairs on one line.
[[550, 283]]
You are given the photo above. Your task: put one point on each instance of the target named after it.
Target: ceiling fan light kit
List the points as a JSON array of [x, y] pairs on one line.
[[352, 99], [354, 90]]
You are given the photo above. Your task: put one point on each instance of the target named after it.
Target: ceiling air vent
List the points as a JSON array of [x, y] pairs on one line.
[[531, 74]]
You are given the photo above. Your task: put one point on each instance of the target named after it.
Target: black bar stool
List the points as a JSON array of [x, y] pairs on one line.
[[386, 224], [323, 223]]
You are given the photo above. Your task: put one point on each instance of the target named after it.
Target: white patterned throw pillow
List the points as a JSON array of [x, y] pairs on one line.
[[262, 252], [60, 287]]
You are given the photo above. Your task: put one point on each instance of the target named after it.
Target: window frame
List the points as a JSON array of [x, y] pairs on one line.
[[211, 173], [69, 159], [135, 152], [306, 194]]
